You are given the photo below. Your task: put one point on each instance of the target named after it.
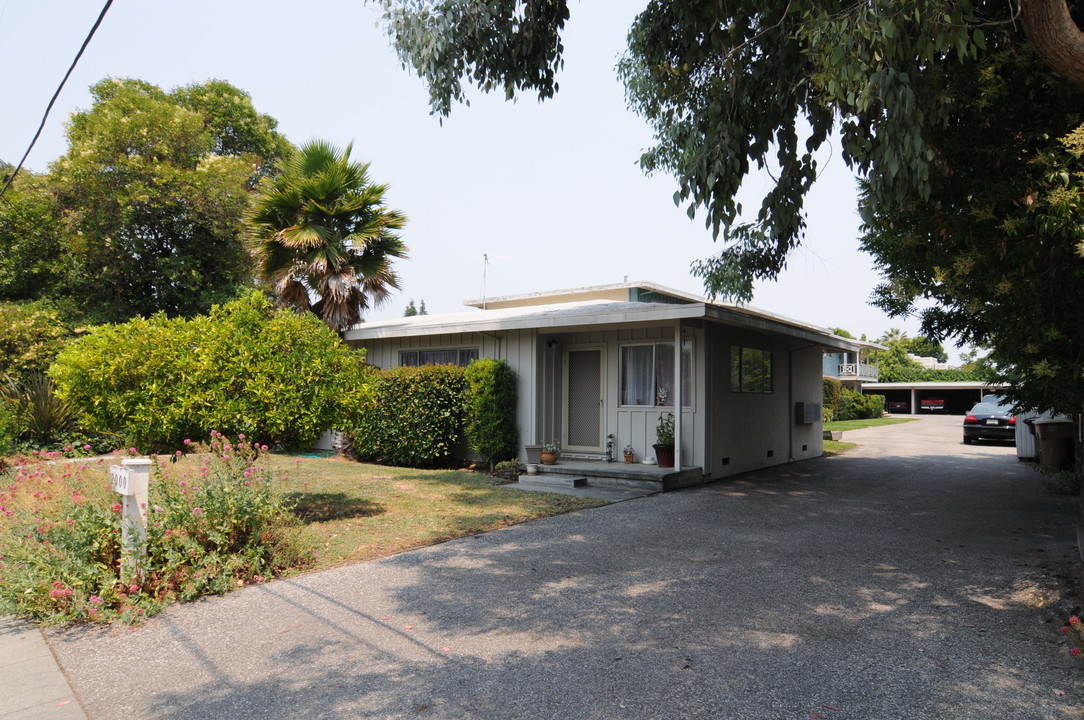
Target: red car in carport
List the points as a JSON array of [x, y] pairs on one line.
[[932, 404], [990, 420]]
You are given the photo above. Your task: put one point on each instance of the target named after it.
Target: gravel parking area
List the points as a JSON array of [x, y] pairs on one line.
[[914, 577]]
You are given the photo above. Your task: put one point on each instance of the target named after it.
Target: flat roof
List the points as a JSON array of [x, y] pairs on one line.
[[932, 385], [588, 290], [561, 316]]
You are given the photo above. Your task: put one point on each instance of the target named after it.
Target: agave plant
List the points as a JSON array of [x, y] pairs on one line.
[[44, 414]]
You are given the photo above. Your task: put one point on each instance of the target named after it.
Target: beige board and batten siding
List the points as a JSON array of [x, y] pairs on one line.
[[749, 431], [634, 425], [519, 348]]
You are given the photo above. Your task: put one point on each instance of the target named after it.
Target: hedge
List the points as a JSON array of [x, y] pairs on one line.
[[856, 406], [279, 377], [491, 410], [415, 419]]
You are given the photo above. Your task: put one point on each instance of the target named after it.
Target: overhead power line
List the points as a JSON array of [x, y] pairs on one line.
[[101, 16]]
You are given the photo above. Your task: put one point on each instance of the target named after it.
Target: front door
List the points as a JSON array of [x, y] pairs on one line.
[[583, 400]]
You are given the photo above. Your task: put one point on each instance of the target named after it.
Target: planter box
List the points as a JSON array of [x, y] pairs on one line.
[[836, 435], [534, 454]]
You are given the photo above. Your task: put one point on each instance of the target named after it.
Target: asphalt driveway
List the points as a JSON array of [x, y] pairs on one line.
[[903, 580]]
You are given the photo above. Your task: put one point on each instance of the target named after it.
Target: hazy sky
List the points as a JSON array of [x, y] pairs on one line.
[[551, 192]]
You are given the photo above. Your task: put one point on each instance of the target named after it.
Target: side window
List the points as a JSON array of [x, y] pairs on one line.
[[750, 370]]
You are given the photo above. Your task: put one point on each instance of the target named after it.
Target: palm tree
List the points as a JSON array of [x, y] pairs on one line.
[[320, 228]]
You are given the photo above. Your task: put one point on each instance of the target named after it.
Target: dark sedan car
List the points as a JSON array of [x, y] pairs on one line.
[[990, 421]]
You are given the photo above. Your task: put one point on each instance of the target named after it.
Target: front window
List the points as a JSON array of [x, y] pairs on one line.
[[455, 356], [647, 374]]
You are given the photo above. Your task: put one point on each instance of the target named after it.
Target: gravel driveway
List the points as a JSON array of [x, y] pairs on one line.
[[902, 580]]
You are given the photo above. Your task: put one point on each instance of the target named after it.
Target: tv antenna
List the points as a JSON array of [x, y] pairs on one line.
[[486, 257]]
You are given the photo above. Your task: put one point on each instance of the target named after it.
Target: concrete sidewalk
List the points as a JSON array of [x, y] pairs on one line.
[[916, 578], [32, 687]]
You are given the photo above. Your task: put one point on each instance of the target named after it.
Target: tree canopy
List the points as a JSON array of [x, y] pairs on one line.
[[145, 212], [907, 88]]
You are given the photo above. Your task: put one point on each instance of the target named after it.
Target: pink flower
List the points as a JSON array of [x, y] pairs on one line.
[[133, 589], [1075, 652], [1065, 630], [116, 507], [178, 453], [1074, 620], [187, 441], [88, 448], [95, 599], [197, 511], [240, 436]]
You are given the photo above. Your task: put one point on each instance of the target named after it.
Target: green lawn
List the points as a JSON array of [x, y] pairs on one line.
[[354, 512], [859, 424], [833, 447]]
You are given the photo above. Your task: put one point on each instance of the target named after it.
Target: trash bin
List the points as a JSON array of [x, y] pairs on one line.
[[1055, 443], [1026, 446]]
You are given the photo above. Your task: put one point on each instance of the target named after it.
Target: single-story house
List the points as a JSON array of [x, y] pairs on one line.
[[602, 361]]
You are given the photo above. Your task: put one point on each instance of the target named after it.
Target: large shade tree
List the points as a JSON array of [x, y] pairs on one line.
[[145, 211], [734, 87], [325, 238]]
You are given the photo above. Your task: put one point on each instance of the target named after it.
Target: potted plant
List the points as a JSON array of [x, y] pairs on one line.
[[664, 441], [549, 453], [630, 454]]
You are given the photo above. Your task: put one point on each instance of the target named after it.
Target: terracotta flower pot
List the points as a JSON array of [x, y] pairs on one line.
[[629, 457], [549, 458]]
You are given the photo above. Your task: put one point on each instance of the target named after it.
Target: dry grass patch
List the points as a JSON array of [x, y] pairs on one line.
[[354, 512]]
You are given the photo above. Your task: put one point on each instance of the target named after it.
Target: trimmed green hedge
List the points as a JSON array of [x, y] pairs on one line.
[[416, 418], [831, 393], [856, 406], [491, 410], [277, 376]]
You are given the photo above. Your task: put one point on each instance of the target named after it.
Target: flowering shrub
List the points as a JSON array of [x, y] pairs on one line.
[[214, 522], [1075, 631]]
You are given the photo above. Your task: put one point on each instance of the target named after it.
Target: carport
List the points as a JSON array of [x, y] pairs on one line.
[[958, 396]]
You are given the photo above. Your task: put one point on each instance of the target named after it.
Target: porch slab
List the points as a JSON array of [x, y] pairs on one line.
[[616, 475], [610, 494]]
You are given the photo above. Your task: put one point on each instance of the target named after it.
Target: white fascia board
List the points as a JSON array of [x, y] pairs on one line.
[[540, 317], [767, 322]]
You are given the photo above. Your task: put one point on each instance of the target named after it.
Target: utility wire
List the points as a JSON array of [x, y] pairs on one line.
[[101, 16]]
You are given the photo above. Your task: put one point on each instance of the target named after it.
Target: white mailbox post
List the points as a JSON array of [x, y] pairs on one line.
[[131, 479]]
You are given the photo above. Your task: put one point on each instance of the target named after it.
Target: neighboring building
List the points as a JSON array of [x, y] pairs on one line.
[[931, 363], [852, 368], [923, 398], [600, 361]]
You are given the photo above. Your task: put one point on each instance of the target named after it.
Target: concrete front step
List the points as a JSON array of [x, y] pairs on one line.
[[554, 480], [569, 480]]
